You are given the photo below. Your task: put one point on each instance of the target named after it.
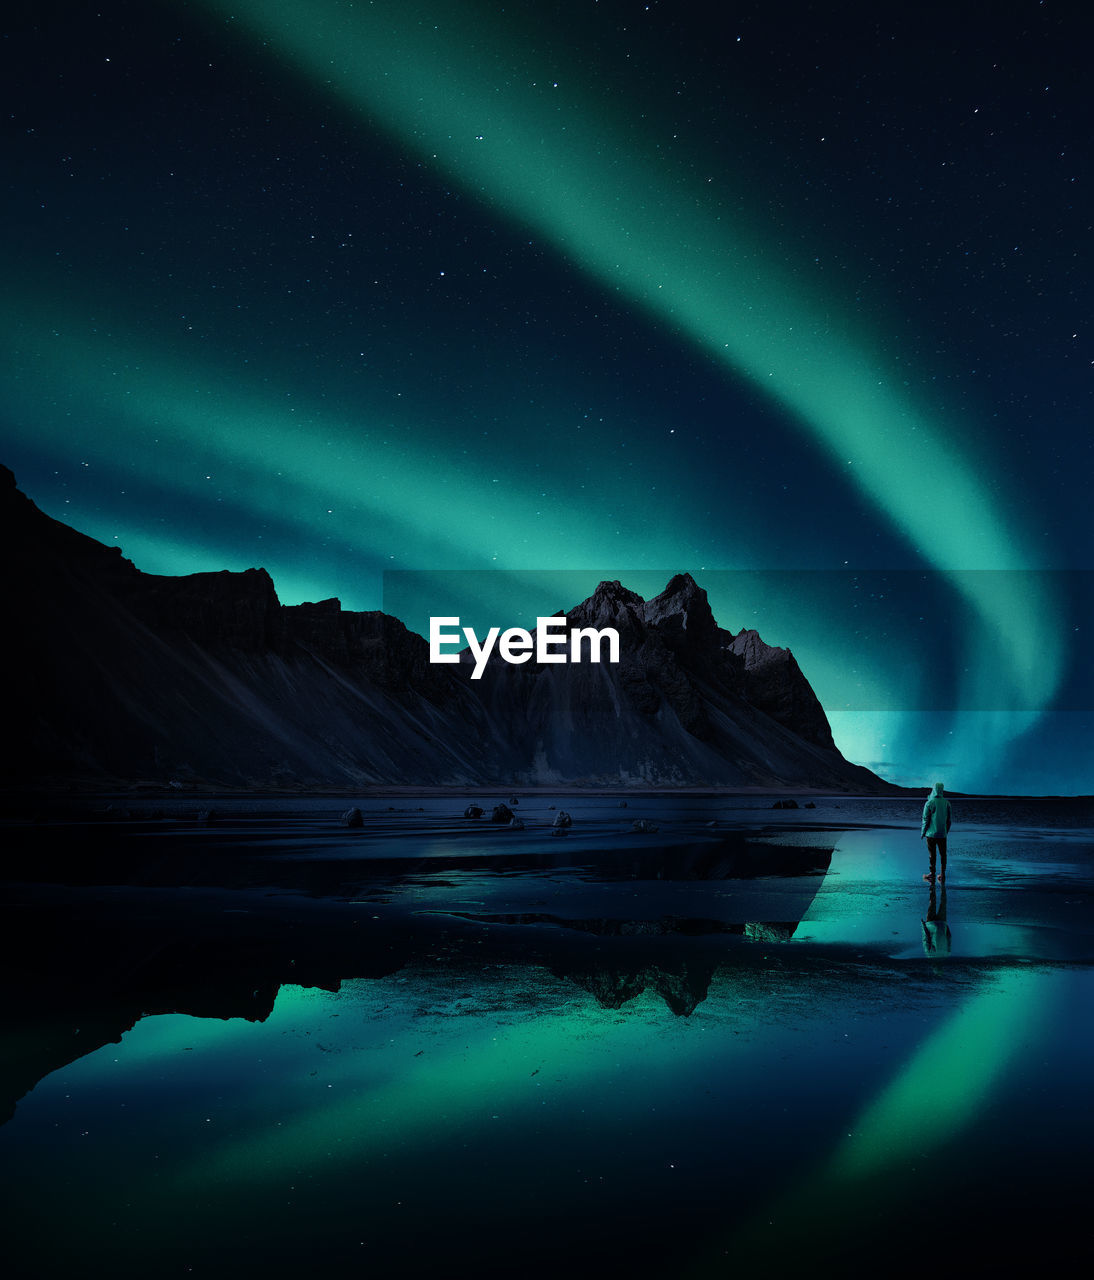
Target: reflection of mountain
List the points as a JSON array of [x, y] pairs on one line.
[[87, 963], [757, 878], [681, 989], [125, 675]]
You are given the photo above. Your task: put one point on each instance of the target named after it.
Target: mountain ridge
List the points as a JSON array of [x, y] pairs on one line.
[[209, 679]]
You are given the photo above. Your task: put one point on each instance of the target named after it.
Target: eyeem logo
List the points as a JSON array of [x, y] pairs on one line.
[[517, 645]]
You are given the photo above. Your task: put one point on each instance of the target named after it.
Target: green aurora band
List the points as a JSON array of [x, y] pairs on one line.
[[477, 104]]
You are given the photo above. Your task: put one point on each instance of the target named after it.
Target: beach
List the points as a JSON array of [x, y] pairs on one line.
[[242, 1034]]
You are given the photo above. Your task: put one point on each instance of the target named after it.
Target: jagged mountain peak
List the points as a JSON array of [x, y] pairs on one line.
[[610, 605], [616, 592], [681, 615], [755, 651], [610, 599], [682, 606], [681, 597], [684, 585]]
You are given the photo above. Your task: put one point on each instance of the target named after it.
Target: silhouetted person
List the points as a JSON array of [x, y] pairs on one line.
[[936, 932], [937, 816]]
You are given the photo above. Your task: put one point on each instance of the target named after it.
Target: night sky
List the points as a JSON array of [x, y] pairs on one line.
[[793, 297]]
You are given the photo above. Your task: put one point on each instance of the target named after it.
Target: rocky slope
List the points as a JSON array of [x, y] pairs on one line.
[[688, 704], [118, 675]]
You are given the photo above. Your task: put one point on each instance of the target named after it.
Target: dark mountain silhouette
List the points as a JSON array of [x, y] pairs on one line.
[[118, 676]]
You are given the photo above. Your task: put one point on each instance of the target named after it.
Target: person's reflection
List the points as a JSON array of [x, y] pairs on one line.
[[936, 932]]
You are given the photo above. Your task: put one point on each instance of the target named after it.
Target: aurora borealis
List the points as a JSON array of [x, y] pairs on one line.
[[595, 289]]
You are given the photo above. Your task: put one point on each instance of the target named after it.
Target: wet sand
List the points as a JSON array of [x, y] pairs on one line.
[[749, 1015]]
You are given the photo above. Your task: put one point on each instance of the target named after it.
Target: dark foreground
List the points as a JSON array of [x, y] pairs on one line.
[[267, 1042]]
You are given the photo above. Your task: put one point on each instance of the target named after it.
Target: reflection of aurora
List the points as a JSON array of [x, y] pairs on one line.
[[944, 1087], [460, 95], [478, 1077], [356, 1115], [362, 1087], [949, 1080]]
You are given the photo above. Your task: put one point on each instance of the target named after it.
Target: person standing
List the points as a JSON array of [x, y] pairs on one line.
[[937, 816]]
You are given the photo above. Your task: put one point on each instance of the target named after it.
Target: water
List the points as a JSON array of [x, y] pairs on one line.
[[273, 1042]]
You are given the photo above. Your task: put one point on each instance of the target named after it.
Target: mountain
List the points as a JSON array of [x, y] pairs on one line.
[[117, 676], [688, 704]]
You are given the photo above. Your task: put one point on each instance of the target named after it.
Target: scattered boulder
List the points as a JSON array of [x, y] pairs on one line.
[[514, 801], [206, 817], [472, 811], [563, 819], [810, 805], [501, 813], [643, 827], [353, 818], [785, 804], [622, 804]]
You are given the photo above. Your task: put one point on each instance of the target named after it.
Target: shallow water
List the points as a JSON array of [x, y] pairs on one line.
[[272, 1042]]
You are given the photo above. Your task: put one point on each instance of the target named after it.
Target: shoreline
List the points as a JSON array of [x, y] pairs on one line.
[[56, 787], [35, 801]]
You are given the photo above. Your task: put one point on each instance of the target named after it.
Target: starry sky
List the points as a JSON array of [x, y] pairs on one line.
[[412, 301]]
